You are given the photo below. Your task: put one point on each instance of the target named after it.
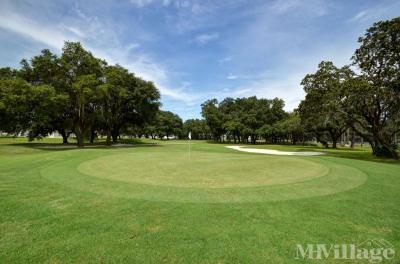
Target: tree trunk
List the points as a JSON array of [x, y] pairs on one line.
[[335, 136], [380, 149], [108, 140], [79, 137], [353, 138], [92, 136], [114, 134], [64, 135], [334, 143], [253, 139], [322, 141]]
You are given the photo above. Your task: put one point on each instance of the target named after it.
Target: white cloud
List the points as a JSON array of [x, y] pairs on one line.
[[30, 29], [232, 77], [226, 59], [314, 7], [284, 80], [132, 46], [144, 66], [177, 3], [282, 6], [182, 4], [197, 9], [106, 48], [142, 3], [76, 31], [287, 89], [360, 16], [375, 13], [205, 38]]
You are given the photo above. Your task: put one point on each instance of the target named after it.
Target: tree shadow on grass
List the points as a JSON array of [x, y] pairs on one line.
[[70, 146]]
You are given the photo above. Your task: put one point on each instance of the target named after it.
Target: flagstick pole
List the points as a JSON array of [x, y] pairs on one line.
[[190, 140]]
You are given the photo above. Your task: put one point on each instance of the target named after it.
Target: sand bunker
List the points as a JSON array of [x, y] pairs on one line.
[[276, 152]]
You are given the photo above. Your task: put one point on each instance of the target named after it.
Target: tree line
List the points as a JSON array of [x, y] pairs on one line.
[[363, 98], [74, 93], [243, 120], [167, 124], [81, 95], [77, 93]]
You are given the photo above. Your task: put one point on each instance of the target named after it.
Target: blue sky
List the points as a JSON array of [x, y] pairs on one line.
[[197, 50]]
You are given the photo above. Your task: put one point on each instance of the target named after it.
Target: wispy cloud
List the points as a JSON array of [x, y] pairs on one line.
[[141, 3], [205, 38], [285, 88], [132, 46], [314, 7], [176, 3], [75, 31], [372, 14], [142, 64], [232, 77], [51, 36], [226, 59], [282, 6], [360, 16]]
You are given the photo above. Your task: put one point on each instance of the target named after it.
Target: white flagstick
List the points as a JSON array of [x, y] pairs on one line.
[[190, 139]]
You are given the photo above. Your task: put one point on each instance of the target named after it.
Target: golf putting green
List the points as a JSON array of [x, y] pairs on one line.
[[202, 170], [167, 174]]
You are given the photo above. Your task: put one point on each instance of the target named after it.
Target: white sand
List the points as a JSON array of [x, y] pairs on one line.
[[276, 152]]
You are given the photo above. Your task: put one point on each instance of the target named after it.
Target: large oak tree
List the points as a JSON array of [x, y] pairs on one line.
[[374, 97]]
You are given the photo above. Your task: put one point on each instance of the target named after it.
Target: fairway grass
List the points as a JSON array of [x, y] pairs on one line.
[[155, 204], [167, 174]]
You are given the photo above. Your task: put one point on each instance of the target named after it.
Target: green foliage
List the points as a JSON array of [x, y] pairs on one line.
[[291, 128], [369, 103], [197, 127], [167, 124], [321, 111], [27, 107], [241, 118], [374, 97], [14, 111], [373, 115], [7, 73], [126, 100], [379, 54], [74, 93], [213, 117]]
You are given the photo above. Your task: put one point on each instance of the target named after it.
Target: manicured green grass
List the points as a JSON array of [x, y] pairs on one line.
[[152, 203], [358, 152]]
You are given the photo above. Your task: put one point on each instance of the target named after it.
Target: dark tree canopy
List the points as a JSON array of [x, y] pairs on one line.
[[241, 118], [378, 56], [168, 124], [374, 97], [74, 93], [197, 127], [321, 111]]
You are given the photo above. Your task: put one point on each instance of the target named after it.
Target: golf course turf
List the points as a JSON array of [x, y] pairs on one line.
[[153, 203]]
